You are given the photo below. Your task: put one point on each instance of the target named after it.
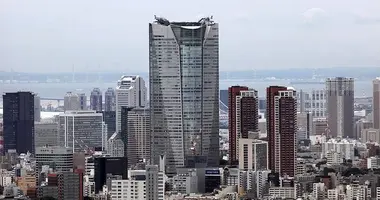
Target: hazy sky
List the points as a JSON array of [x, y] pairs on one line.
[[112, 35]]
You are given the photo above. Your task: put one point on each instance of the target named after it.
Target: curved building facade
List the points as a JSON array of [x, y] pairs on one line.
[[184, 92]]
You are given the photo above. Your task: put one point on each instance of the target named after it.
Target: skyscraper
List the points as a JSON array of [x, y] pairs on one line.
[[138, 135], [313, 102], [96, 100], [131, 92], [82, 101], [376, 103], [184, 91], [18, 122], [71, 101], [243, 116], [109, 100], [282, 129], [81, 130], [340, 104]]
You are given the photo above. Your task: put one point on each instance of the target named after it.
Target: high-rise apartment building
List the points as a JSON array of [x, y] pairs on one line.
[[313, 102], [340, 104], [110, 100], [96, 100], [282, 129], [376, 103], [81, 130], [253, 154], [18, 119], [243, 117], [138, 135], [131, 92], [184, 92], [37, 108]]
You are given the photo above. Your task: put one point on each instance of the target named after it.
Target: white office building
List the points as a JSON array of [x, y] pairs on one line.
[[313, 102], [130, 92], [253, 154]]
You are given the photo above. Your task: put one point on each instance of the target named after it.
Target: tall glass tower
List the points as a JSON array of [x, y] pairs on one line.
[[184, 92]]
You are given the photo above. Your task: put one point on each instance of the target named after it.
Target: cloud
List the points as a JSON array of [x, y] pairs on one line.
[[314, 15]]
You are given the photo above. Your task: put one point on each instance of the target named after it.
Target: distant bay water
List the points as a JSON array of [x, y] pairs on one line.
[[58, 90]]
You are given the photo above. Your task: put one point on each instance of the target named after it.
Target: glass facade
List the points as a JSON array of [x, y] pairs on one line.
[[184, 92]]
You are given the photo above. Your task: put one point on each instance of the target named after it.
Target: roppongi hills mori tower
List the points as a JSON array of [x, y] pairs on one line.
[[184, 92]]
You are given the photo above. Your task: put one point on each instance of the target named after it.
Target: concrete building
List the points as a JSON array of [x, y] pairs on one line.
[[139, 140], [63, 186], [18, 122], [243, 116], [376, 103], [340, 104], [71, 101], [343, 146], [115, 145], [110, 100], [60, 159], [131, 92], [81, 130], [304, 126], [370, 135], [313, 102], [320, 127], [184, 91], [282, 129], [37, 108], [253, 154], [360, 126], [373, 162], [141, 185], [46, 134], [96, 100]]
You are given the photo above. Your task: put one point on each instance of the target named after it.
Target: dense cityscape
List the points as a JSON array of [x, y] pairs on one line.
[[176, 134]]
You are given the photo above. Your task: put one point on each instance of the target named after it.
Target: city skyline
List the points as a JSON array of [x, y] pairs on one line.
[[324, 34]]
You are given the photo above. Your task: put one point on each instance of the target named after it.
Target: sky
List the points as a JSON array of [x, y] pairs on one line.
[[99, 35]]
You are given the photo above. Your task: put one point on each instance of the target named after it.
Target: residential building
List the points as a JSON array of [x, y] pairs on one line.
[[282, 129], [243, 116], [96, 100], [320, 127], [253, 154], [63, 186], [340, 104], [46, 134], [18, 122], [373, 162], [81, 130], [370, 135], [110, 100], [343, 146], [131, 92], [184, 92], [141, 184], [376, 103]]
